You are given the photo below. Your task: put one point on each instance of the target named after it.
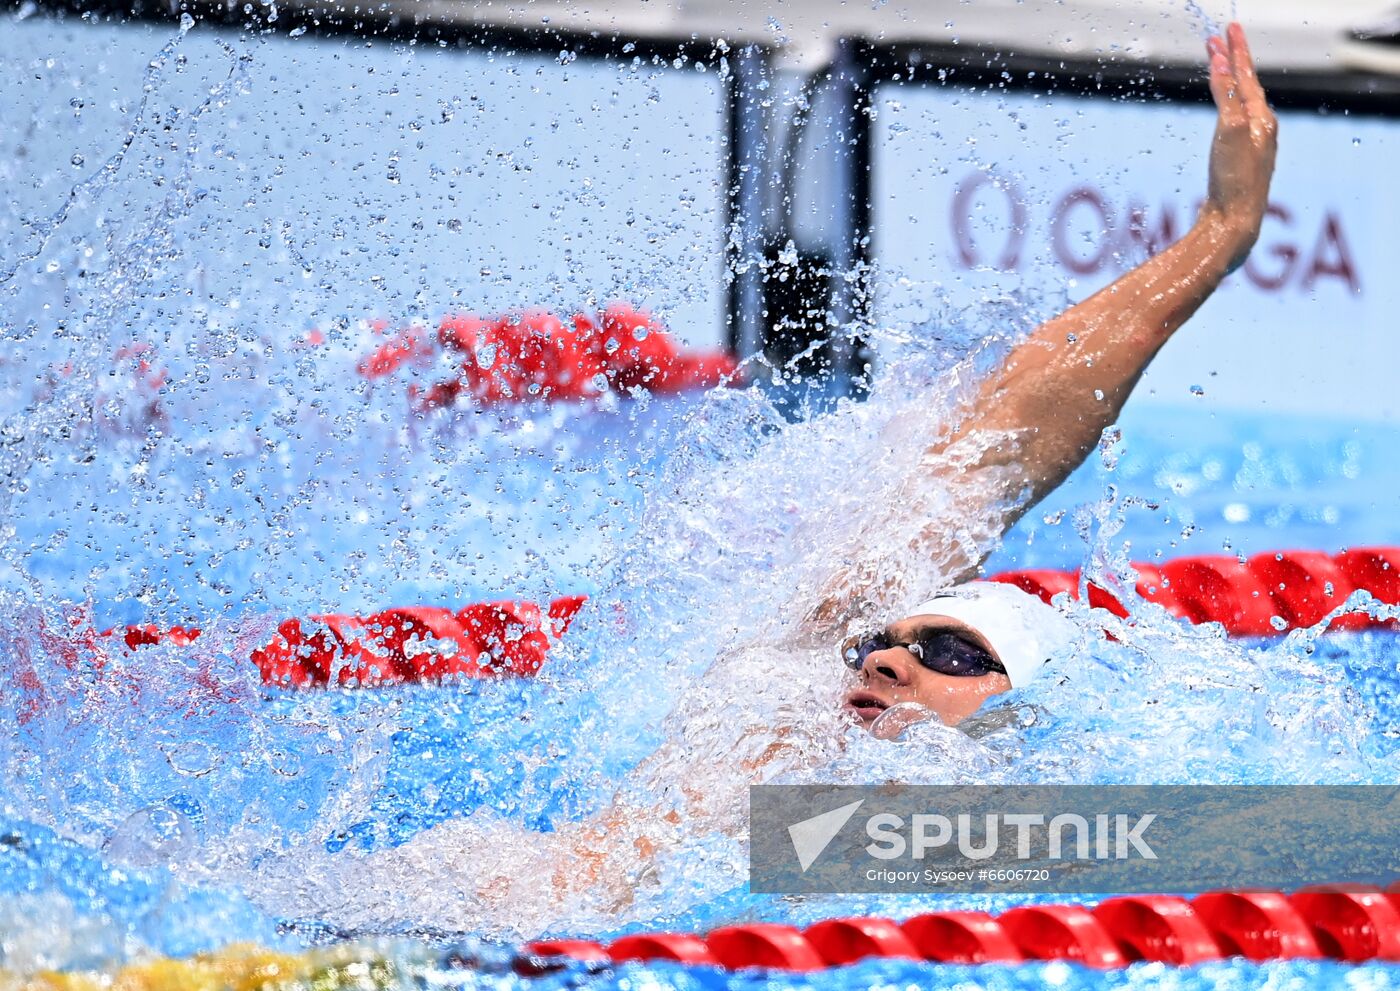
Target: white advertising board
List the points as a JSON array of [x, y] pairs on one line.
[[978, 192], [382, 179]]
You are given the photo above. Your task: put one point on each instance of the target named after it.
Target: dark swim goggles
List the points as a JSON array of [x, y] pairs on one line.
[[942, 652]]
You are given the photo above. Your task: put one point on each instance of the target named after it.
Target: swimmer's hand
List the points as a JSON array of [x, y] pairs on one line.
[[1242, 152]]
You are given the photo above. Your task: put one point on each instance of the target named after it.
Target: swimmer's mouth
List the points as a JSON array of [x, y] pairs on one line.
[[865, 706]]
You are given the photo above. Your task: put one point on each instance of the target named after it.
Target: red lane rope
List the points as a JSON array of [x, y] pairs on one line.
[[525, 356], [1268, 594], [1343, 922], [534, 356], [418, 644], [1265, 595]]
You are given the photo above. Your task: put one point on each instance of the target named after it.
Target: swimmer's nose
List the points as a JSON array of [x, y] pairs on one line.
[[892, 665]]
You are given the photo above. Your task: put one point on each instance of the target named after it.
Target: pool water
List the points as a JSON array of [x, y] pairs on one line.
[[164, 801], [148, 806]]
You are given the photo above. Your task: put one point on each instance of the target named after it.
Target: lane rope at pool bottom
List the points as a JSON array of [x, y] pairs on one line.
[[1348, 924], [1265, 595]]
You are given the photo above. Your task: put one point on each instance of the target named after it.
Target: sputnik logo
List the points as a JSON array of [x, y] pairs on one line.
[[811, 836]]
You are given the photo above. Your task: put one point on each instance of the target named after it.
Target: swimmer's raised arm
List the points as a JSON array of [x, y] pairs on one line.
[[1037, 417], [1068, 381]]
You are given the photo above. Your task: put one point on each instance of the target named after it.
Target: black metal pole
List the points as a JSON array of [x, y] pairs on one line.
[[749, 164]]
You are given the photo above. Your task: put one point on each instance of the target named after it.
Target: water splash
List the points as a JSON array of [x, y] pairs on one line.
[[1206, 26], [277, 483], [692, 667]]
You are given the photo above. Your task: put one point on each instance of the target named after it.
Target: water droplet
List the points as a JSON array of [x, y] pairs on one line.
[[186, 22], [192, 758], [284, 762], [76, 160], [1196, 390]]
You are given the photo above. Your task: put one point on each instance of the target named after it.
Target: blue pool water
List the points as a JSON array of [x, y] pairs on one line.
[[164, 801], [152, 815]]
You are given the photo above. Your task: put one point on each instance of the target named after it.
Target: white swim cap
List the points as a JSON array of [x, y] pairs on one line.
[[1023, 631]]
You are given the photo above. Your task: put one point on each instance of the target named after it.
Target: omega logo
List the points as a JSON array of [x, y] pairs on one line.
[[1088, 233]]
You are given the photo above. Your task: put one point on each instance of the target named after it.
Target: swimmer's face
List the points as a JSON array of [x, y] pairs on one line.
[[895, 675]]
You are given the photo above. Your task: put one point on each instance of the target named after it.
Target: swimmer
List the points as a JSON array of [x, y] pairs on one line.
[[1045, 408], [1058, 390]]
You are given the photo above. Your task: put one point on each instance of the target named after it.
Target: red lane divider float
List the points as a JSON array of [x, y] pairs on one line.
[[397, 646], [1061, 932], [1351, 922], [1163, 928], [1259, 925], [487, 640], [534, 356], [961, 937], [1221, 589], [681, 947], [843, 941], [764, 944], [1265, 595], [1346, 922]]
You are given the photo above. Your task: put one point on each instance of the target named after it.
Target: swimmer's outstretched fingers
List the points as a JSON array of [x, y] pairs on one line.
[[1246, 138]]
